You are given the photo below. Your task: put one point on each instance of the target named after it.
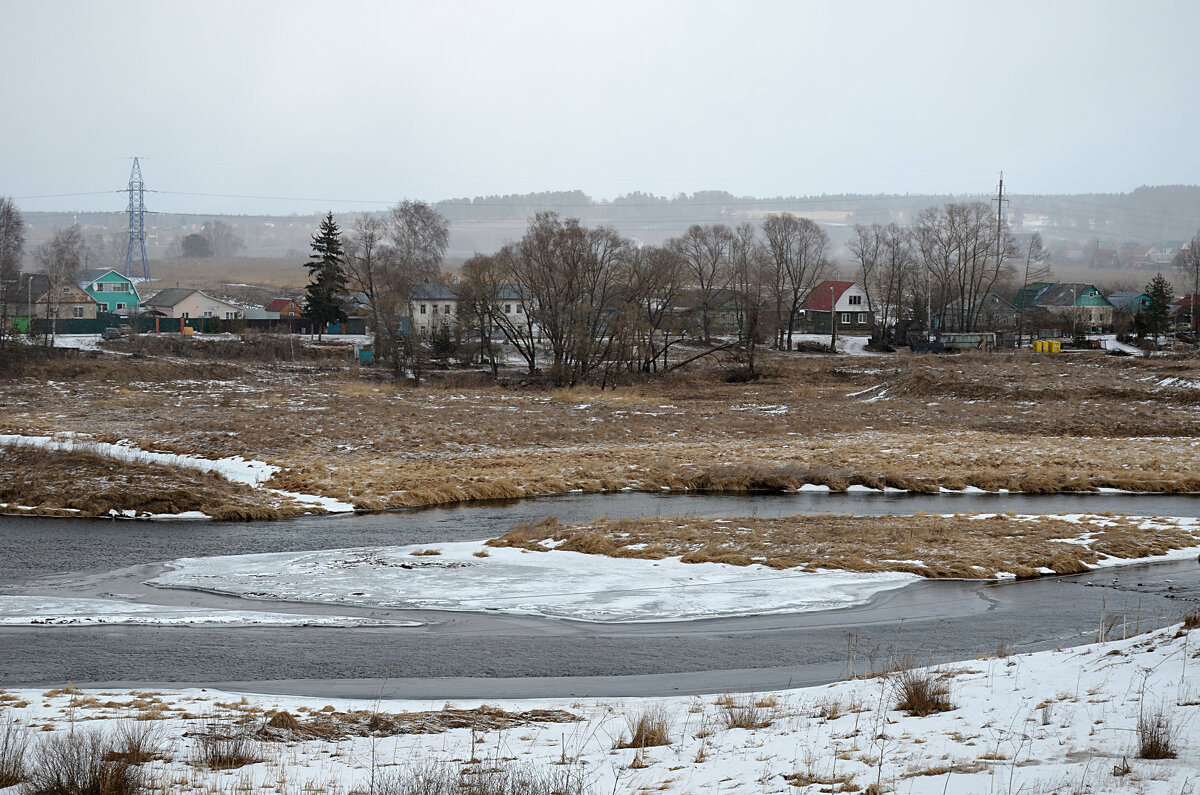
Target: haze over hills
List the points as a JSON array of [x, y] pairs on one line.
[[1158, 215]]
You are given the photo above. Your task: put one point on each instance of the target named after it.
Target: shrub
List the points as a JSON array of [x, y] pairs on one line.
[[135, 742], [224, 745], [1191, 620], [647, 729], [920, 692], [78, 764], [14, 744], [490, 779], [744, 715], [1155, 736]]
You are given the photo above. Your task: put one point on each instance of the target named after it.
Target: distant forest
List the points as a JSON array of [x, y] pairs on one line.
[[1159, 215]]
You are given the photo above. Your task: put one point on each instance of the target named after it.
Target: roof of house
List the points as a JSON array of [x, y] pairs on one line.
[[1071, 294], [825, 295], [434, 292], [1128, 300], [279, 304], [170, 296], [89, 275]]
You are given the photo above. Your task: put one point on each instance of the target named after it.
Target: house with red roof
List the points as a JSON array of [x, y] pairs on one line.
[[843, 302], [286, 307]]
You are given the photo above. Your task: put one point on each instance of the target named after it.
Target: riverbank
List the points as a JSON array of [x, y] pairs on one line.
[[1074, 720], [1016, 422]]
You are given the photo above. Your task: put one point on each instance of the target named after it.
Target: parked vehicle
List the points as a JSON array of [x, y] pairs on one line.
[[111, 333]]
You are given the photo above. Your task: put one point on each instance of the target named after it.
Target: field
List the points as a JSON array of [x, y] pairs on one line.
[[1007, 421]]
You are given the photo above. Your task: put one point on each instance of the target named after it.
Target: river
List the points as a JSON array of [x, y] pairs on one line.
[[483, 655]]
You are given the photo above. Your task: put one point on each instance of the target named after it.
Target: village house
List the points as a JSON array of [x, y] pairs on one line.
[[284, 307], [190, 303], [844, 303], [431, 306], [1061, 307], [111, 291], [67, 301]]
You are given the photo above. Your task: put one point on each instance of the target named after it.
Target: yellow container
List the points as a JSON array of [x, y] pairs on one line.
[[1055, 346], [187, 331], [1037, 346]]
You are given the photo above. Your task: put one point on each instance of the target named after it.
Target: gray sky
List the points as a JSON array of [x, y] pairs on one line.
[[356, 105]]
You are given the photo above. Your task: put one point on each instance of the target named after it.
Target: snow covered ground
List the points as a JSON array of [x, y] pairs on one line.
[[1049, 722], [235, 469]]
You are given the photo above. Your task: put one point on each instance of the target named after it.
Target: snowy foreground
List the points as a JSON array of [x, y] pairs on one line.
[[1048, 722]]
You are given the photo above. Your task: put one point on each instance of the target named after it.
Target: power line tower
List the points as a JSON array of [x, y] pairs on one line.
[[137, 223]]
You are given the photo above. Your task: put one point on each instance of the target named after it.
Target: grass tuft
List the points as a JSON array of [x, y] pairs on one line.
[[921, 692], [1156, 736], [647, 729]]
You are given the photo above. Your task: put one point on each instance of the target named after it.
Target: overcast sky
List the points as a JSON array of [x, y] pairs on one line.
[[308, 106]]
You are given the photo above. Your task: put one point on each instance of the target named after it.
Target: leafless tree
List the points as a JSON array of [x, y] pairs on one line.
[[366, 263], [1187, 261], [60, 258], [222, 240], [797, 251], [655, 282], [963, 259], [866, 246], [479, 291], [892, 279], [574, 279], [749, 259], [704, 251], [12, 250], [1036, 270]]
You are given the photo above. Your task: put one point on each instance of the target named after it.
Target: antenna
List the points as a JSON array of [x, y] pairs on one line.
[[137, 223]]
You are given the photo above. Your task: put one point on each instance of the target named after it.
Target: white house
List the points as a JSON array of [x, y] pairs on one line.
[[188, 302]]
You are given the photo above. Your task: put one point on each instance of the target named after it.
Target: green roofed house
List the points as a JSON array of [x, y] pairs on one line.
[[1066, 305], [112, 291]]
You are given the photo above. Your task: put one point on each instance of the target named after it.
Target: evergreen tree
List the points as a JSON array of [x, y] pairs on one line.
[[327, 277], [1158, 313]]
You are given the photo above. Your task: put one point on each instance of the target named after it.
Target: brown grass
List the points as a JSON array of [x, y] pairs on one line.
[[970, 546], [921, 692], [1035, 424], [647, 729]]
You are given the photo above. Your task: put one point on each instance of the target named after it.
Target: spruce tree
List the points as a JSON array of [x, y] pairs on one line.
[[327, 277], [1158, 314]]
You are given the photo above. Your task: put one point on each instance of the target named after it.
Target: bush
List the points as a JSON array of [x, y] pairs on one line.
[[920, 692], [647, 729], [1155, 736], [224, 745], [14, 744], [489, 779], [79, 764]]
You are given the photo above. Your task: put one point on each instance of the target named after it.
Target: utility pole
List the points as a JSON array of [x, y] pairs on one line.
[[832, 317], [1000, 200]]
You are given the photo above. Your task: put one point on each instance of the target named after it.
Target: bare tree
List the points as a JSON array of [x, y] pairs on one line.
[[797, 248], [867, 248], [892, 278], [1036, 270], [365, 266], [60, 258], [479, 293], [704, 251], [963, 259], [574, 278], [748, 259], [655, 282], [1187, 261], [12, 250], [222, 240]]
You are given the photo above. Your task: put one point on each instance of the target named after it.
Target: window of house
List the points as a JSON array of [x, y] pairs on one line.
[[845, 317], [447, 309], [101, 307], [120, 306], [508, 309], [230, 315], [519, 310], [862, 318], [66, 289], [855, 299], [183, 315], [77, 311], [435, 309], [422, 309], [208, 314]]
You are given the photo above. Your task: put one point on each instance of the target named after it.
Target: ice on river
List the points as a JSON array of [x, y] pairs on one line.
[[558, 584]]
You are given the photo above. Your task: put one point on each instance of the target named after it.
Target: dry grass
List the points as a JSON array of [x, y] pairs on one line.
[[647, 729], [1036, 424], [1156, 736], [921, 692], [333, 725], [970, 546], [14, 746]]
